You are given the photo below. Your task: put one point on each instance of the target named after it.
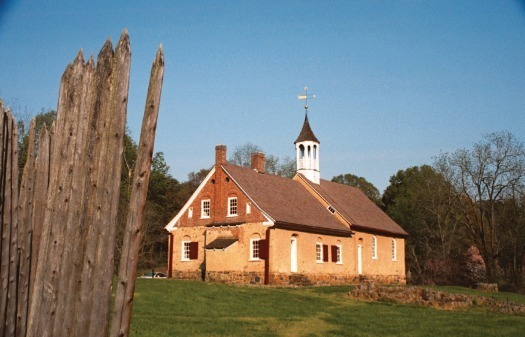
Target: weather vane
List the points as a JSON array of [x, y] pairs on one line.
[[305, 97]]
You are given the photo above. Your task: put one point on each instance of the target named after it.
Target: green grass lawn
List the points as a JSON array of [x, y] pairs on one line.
[[193, 308]]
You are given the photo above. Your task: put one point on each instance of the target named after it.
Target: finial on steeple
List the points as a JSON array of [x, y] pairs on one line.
[[305, 97]]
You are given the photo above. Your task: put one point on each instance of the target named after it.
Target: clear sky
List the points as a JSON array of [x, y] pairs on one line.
[[397, 82]]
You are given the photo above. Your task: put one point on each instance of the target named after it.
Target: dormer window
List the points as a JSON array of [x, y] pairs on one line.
[[232, 206], [331, 209], [205, 208]]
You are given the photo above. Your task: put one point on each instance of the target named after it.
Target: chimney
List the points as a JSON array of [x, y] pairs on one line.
[[220, 155], [258, 161]]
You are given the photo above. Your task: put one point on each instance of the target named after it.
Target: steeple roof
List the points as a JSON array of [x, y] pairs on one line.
[[306, 133]]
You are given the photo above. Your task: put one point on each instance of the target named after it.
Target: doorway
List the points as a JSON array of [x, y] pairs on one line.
[[293, 254], [359, 260]]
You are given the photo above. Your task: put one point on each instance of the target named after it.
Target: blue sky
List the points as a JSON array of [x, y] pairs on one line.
[[397, 82]]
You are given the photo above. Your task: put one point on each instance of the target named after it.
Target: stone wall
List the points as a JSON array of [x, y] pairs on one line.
[[235, 277], [187, 275], [432, 298], [487, 287]]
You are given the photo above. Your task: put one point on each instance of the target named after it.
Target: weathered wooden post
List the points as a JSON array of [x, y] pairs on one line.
[[25, 215], [72, 289], [57, 236], [9, 222], [132, 235]]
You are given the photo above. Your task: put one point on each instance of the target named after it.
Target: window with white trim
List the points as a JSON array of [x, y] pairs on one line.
[[394, 250], [331, 209], [255, 249], [319, 252], [205, 208], [374, 247], [248, 208], [232, 206], [185, 254], [190, 212]]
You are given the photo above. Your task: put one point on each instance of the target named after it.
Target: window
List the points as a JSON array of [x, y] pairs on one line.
[[205, 208], [374, 247], [315, 151], [319, 252], [337, 254], [255, 249], [185, 256], [190, 212], [331, 209], [394, 250], [248, 208], [190, 251], [232, 206]]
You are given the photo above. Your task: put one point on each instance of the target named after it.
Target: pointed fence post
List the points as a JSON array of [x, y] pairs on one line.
[[132, 237]]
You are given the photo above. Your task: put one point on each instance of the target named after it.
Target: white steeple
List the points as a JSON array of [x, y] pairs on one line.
[[307, 153]]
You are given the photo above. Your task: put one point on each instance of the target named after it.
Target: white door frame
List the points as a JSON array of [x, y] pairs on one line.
[[293, 255]]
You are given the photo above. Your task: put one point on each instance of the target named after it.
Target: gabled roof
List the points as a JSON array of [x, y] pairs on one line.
[[356, 208], [306, 133], [173, 223], [285, 201]]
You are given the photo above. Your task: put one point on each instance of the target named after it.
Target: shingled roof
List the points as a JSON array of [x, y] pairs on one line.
[[285, 201], [306, 133], [356, 208]]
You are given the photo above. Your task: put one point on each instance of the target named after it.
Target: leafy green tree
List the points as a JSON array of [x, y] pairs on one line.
[[422, 202], [44, 117], [364, 185]]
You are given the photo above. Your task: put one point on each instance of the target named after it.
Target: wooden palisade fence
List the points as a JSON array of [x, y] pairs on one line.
[[58, 228]]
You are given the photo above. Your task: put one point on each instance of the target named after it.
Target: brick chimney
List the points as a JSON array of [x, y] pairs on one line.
[[258, 161], [220, 155]]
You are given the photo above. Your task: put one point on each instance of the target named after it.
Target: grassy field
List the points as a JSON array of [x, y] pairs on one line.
[[192, 308]]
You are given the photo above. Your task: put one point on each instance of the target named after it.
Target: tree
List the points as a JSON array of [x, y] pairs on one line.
[[44, 117], [284, 167], [421, 201], [364, 185], [485, 178]]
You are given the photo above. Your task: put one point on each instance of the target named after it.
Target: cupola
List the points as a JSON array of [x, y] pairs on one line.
[[307, 152]]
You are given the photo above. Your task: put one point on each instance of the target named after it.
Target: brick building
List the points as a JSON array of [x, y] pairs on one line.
[[243, 225]]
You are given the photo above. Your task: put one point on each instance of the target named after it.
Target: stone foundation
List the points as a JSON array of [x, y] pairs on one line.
[[235, 277], [187, 275], [306, 280]]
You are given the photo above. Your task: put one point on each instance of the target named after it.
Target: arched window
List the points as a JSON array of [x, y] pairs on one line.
[[394, 250], [374, 247], [309, 152], [315, 151], [301, 151]]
